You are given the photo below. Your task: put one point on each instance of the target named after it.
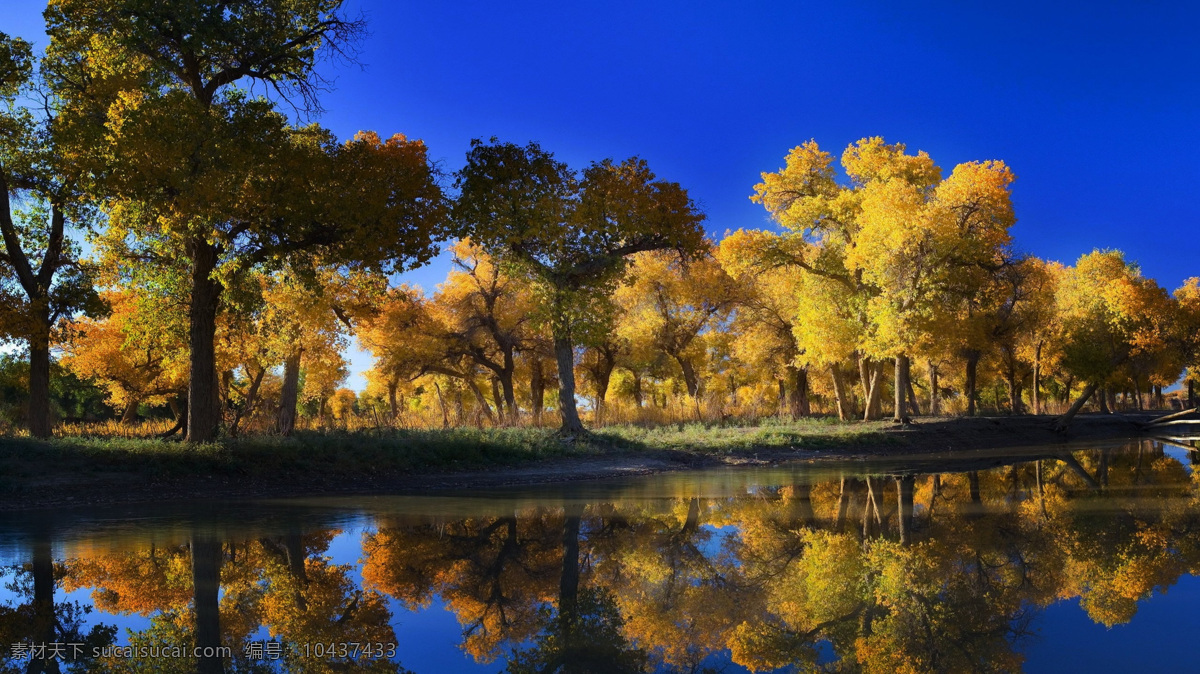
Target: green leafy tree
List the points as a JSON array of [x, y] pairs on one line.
[[571, 233]]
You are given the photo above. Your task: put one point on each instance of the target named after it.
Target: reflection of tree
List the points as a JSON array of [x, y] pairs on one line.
[[493, 573], [42, 621], [881, 573], [217, 593], [585, 636]]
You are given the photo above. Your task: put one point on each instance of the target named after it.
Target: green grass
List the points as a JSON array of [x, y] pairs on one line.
[[341, 453]]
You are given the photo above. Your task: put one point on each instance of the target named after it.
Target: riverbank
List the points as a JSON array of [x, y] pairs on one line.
[[94, 471]]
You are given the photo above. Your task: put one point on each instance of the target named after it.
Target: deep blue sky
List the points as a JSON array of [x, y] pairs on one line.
[[1093, 105]]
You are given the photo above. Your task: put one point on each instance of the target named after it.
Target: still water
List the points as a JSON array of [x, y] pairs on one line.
[[1039, 560]]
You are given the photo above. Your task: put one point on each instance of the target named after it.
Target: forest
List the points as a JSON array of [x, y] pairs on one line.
[[183, 258]]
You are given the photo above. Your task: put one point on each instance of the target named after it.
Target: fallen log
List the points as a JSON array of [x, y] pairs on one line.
[[1172, 417]]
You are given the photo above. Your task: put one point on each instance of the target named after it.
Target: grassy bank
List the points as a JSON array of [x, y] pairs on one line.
[[367, 452], [97, 469]]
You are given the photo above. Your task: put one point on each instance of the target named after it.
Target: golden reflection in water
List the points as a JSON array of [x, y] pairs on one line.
[[892, 571]]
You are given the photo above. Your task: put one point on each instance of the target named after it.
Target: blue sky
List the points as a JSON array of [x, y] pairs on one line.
[[1093, 105]]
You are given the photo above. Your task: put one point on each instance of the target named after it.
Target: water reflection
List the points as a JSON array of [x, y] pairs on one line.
[[839, 570]]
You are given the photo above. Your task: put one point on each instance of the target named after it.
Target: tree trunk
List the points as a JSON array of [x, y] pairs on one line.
[[935, 398], [798, 400], [564, 353], [902, 386], [1191, 395], [568, 580], [204, 414], [39, 378], [44, 621], [537, 389], [129, 416], [393, 403], [689, 376], [839, 393], [1137, 393], [290, 393], [1014, 394], [1103, 395], [507, 387], [206, 586], [874, 408], [1064, 421], [914, 406], [1036, 392], [972, 368], [1158, 398], [637, 389], [480, 400], [499, 398], [442, 403]]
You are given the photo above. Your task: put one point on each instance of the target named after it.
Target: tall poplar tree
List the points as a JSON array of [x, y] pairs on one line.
[[572, 233], [191, 166]]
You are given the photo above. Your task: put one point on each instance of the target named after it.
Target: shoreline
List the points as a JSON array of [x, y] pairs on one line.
[[74, 473]]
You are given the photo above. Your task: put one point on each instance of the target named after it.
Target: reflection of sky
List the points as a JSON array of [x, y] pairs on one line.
[[1159, 638]]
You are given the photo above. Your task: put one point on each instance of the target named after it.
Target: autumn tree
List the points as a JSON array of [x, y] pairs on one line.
[[1110, 314], [890, 239], [671, 303], [41, 276], [571, 233], [487, 316], [766, 316], [195, 168], [137, 353]]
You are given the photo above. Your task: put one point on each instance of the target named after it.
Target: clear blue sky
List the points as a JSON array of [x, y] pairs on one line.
[[1093, 105]]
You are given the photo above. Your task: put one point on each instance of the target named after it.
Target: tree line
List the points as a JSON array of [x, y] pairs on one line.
[[234, 252]]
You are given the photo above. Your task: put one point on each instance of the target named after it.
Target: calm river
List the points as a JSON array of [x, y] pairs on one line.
[[1042, 560]]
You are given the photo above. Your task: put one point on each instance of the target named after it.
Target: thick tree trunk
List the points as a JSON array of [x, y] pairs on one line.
[[129, 416], [44, 620], [603, 377], [839, 393], [508, 388], [290, 393], [1103, 395], [568, 580], [1014, 393], [1137, 393], [798, 400], [935, 397], [39, 379], [393, 402], [1191, 395], [537, 389], [564, 354], [206, 585], [637, 389], [1158, 397], [1064, 421], [689, 376], [972, 369], [874, 408], [204, 413]]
